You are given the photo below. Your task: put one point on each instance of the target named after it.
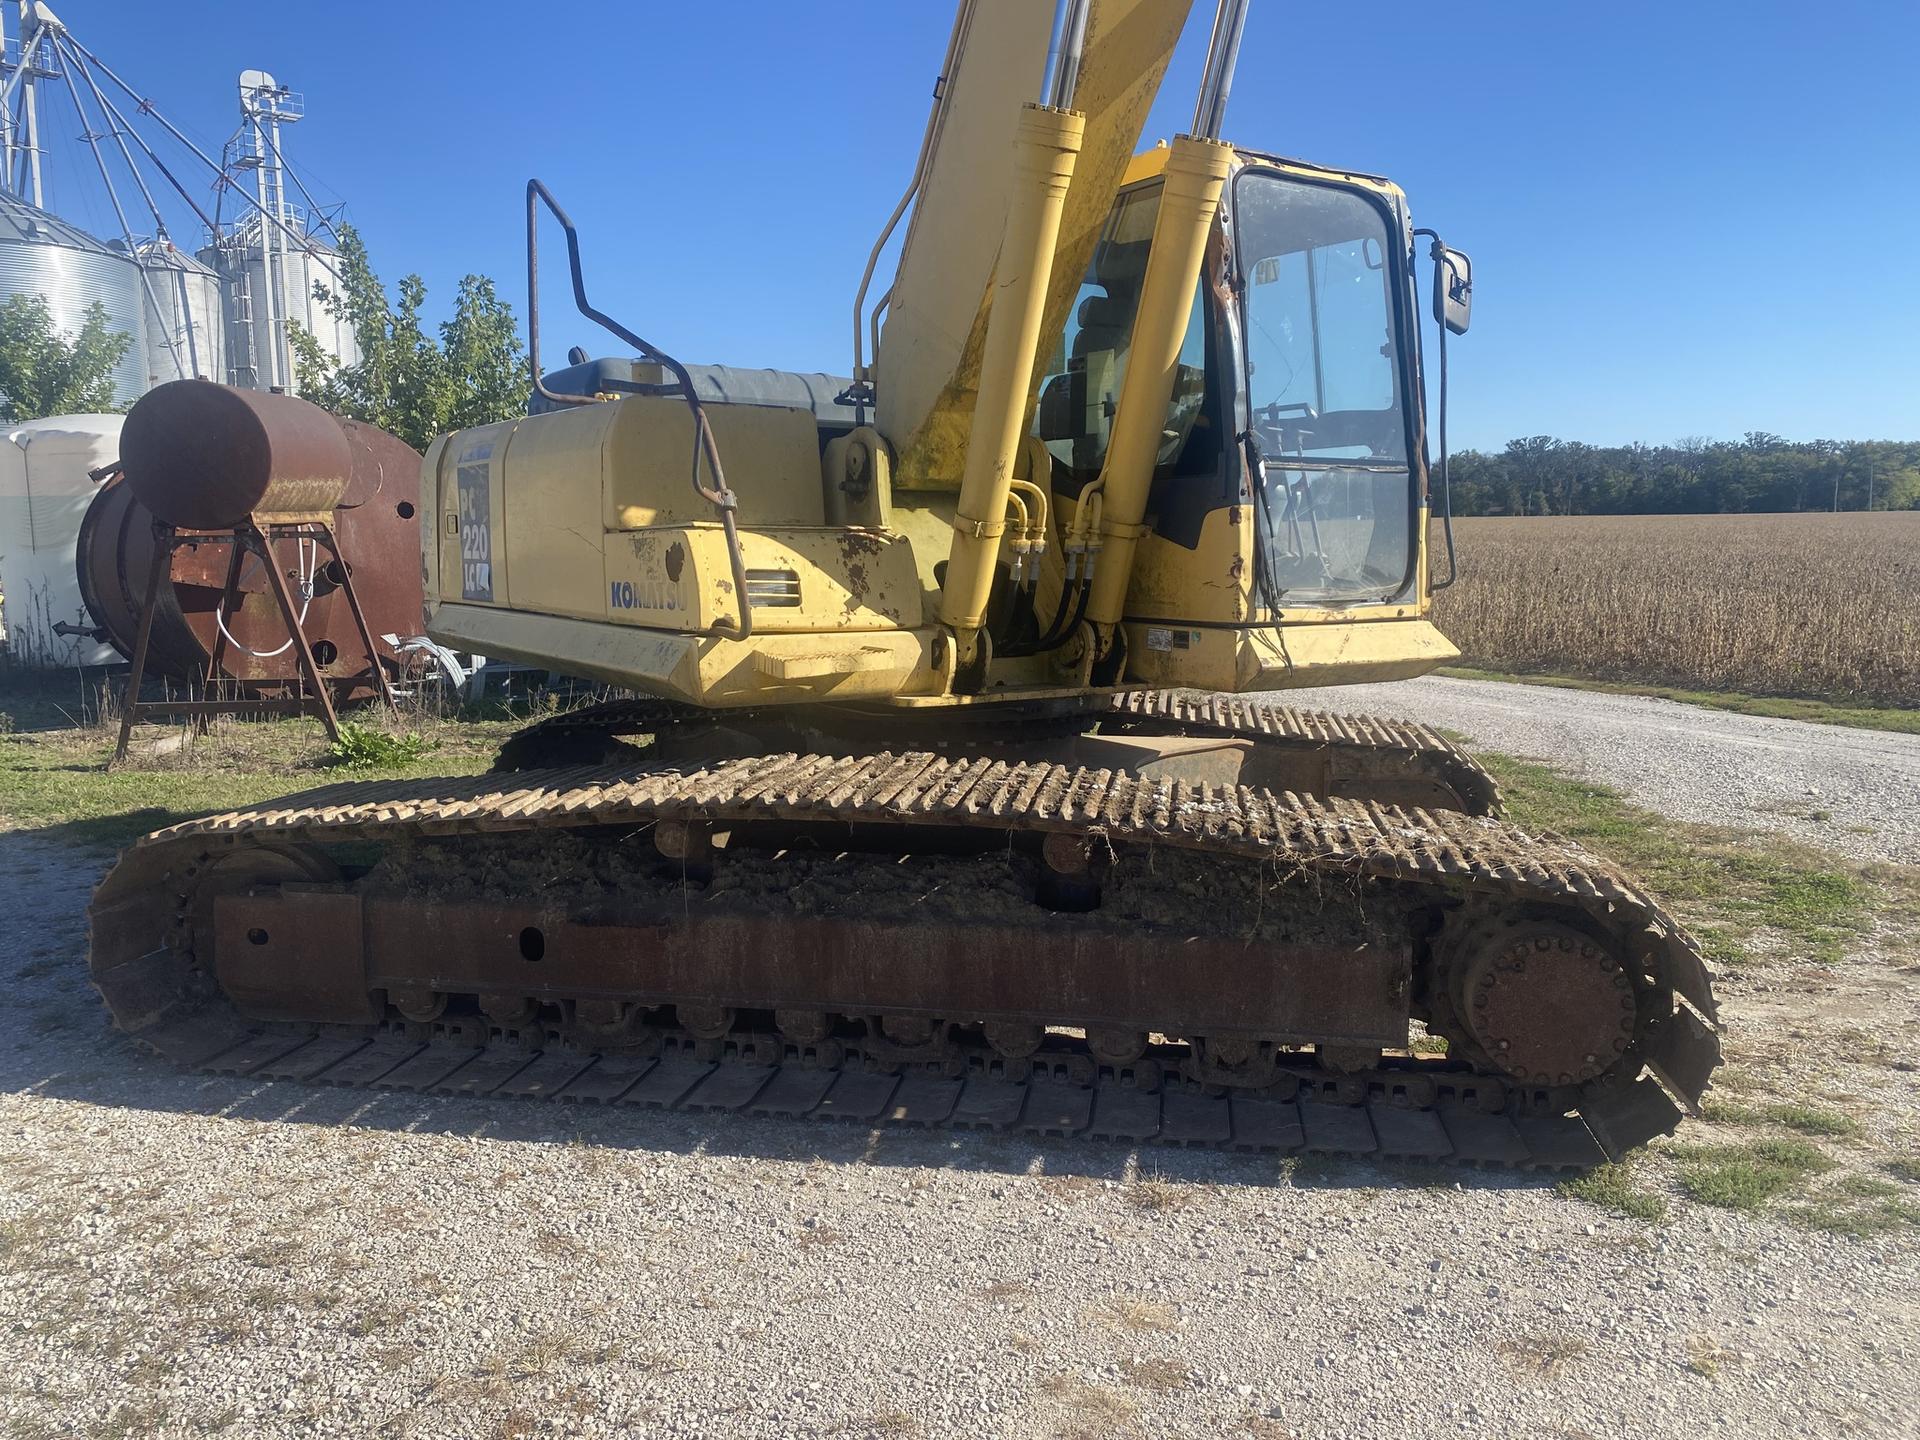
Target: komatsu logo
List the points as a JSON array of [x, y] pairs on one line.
[[647, 595]]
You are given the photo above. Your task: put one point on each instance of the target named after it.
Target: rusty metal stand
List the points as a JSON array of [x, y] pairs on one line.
[[249, 537]]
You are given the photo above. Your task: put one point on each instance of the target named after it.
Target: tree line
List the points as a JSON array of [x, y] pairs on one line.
[[1542, 475]]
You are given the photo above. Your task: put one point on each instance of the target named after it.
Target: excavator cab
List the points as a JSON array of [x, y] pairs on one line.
[[1288, 486]]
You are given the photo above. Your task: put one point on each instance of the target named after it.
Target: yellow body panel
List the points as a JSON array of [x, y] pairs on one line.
[[679, 578], [1207, 585], [704, 669], [1286, 656]]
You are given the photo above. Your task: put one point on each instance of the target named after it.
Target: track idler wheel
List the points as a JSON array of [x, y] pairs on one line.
[[1547, 1004]]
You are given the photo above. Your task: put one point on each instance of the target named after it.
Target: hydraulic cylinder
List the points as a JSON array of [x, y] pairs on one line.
[[1189, 202], [1045, 148]]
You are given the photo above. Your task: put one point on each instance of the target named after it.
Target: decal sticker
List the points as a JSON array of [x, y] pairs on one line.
[[476, 524]]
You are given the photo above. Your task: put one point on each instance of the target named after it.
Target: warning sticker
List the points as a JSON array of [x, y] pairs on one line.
[[1158, 639]]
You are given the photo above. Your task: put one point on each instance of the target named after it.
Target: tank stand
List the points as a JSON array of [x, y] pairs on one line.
[[252, 536]]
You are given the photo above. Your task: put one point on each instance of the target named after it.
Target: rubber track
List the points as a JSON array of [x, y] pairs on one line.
[[142, 902]]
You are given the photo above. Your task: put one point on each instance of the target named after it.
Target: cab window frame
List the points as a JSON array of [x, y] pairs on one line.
[[1397, 257]]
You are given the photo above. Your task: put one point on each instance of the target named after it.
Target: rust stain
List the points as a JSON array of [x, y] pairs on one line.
[[676, 561], [857, 581]]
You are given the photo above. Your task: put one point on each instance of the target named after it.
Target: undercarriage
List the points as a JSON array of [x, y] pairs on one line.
[[978, 934]]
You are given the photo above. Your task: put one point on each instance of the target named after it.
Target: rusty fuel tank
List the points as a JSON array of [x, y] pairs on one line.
[[273, 456], [206, 457]]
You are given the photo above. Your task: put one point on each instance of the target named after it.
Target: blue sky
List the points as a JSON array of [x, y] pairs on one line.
[[1686, 218]]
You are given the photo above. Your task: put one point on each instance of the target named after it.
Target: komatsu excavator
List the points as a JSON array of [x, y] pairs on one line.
[[936, 801]]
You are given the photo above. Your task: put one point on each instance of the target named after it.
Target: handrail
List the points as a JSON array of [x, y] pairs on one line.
[[718, 495]]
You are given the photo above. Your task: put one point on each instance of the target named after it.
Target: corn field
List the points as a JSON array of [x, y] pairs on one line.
[[1818, 605]]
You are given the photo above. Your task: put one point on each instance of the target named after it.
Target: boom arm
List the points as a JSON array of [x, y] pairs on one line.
[[927, 373]]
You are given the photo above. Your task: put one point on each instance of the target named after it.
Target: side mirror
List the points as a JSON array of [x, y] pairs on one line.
[[1452, 288]]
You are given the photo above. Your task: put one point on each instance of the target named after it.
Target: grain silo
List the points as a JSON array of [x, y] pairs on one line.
[[186, 333], [267, 277], [41, 254]]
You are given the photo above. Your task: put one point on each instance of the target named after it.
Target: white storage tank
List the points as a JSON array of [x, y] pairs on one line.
[[41, 254], [186, 333], [257, 315], [45, 489]]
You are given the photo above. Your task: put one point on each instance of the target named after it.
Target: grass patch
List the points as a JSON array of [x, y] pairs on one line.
[[1779, 707], [1096, 1409], [1747, 1177], [1904, 1167], [364, 747], [1731, 885], [1161, 1376], [1612, 1188], [1803, 1119], [59, 780], [1858, 1221], [1866, 1187]]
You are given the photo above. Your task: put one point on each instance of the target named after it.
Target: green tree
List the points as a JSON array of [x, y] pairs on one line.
[[1901, 492], [44, 371], [408, 381]]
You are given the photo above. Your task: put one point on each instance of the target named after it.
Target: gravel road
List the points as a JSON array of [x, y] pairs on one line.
[[183, 1255], [1856, 792]]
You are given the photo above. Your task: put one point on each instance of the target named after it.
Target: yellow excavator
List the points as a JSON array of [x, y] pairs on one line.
[[935, 799]]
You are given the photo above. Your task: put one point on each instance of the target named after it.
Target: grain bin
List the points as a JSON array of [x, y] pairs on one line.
[[45, 489], [264, 285], [186, 333], [41, 254]]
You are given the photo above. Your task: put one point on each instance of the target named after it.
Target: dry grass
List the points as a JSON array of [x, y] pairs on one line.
[[1153, 1194], [1706, 1356], [1129, 1312], [1541, 1355], [1160, 1375], [1815, 605], [1095, 1409]]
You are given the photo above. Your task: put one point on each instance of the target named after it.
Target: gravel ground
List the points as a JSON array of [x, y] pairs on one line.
[[1850, 791], [184, 1255]]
